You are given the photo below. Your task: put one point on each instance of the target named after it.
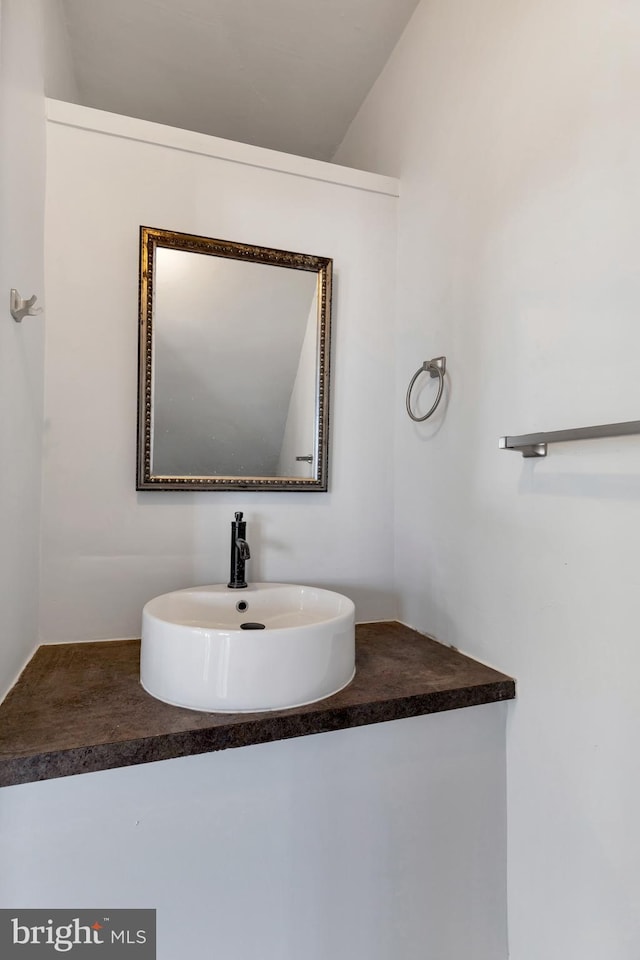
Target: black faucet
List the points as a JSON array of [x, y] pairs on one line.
[[239, 553]]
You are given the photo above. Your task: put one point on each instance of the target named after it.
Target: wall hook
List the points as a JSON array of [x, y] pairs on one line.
[[22, 308]]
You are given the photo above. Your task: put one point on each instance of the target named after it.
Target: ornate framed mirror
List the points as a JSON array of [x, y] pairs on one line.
[[234, 348]]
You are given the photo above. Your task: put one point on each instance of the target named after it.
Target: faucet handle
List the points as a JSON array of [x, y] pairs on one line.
[[239, 516]]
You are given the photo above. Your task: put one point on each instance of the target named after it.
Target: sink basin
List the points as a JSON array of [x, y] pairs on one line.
[[268, 646]]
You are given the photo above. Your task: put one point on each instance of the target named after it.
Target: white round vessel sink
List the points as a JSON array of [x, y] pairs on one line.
[[268, 646]]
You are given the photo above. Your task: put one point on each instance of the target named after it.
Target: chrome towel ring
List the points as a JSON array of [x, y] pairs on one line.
[[436, 368]]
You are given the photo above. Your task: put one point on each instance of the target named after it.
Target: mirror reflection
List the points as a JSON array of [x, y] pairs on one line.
[[233, 365]]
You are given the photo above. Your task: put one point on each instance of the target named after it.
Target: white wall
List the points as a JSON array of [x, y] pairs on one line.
[[59, 73], [32, 52], [22, 174], [513, 128], [368, 844], [107, 549]]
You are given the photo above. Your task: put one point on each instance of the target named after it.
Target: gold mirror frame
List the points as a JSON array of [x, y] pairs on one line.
[[150, 240]]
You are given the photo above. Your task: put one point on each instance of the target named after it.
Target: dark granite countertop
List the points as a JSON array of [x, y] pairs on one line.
[[79, 707]]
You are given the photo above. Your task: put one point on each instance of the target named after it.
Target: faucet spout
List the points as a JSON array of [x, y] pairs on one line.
[[240, 552]]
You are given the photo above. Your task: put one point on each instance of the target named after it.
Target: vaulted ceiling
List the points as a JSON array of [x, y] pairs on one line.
[[285, 74]]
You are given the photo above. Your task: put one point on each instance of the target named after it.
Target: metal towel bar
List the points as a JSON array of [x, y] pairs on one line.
[[535, 444]]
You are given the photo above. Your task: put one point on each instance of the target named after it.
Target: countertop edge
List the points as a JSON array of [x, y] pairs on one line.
[[167, 746]]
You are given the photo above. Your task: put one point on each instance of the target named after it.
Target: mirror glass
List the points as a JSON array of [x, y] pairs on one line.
[[234, 353]]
